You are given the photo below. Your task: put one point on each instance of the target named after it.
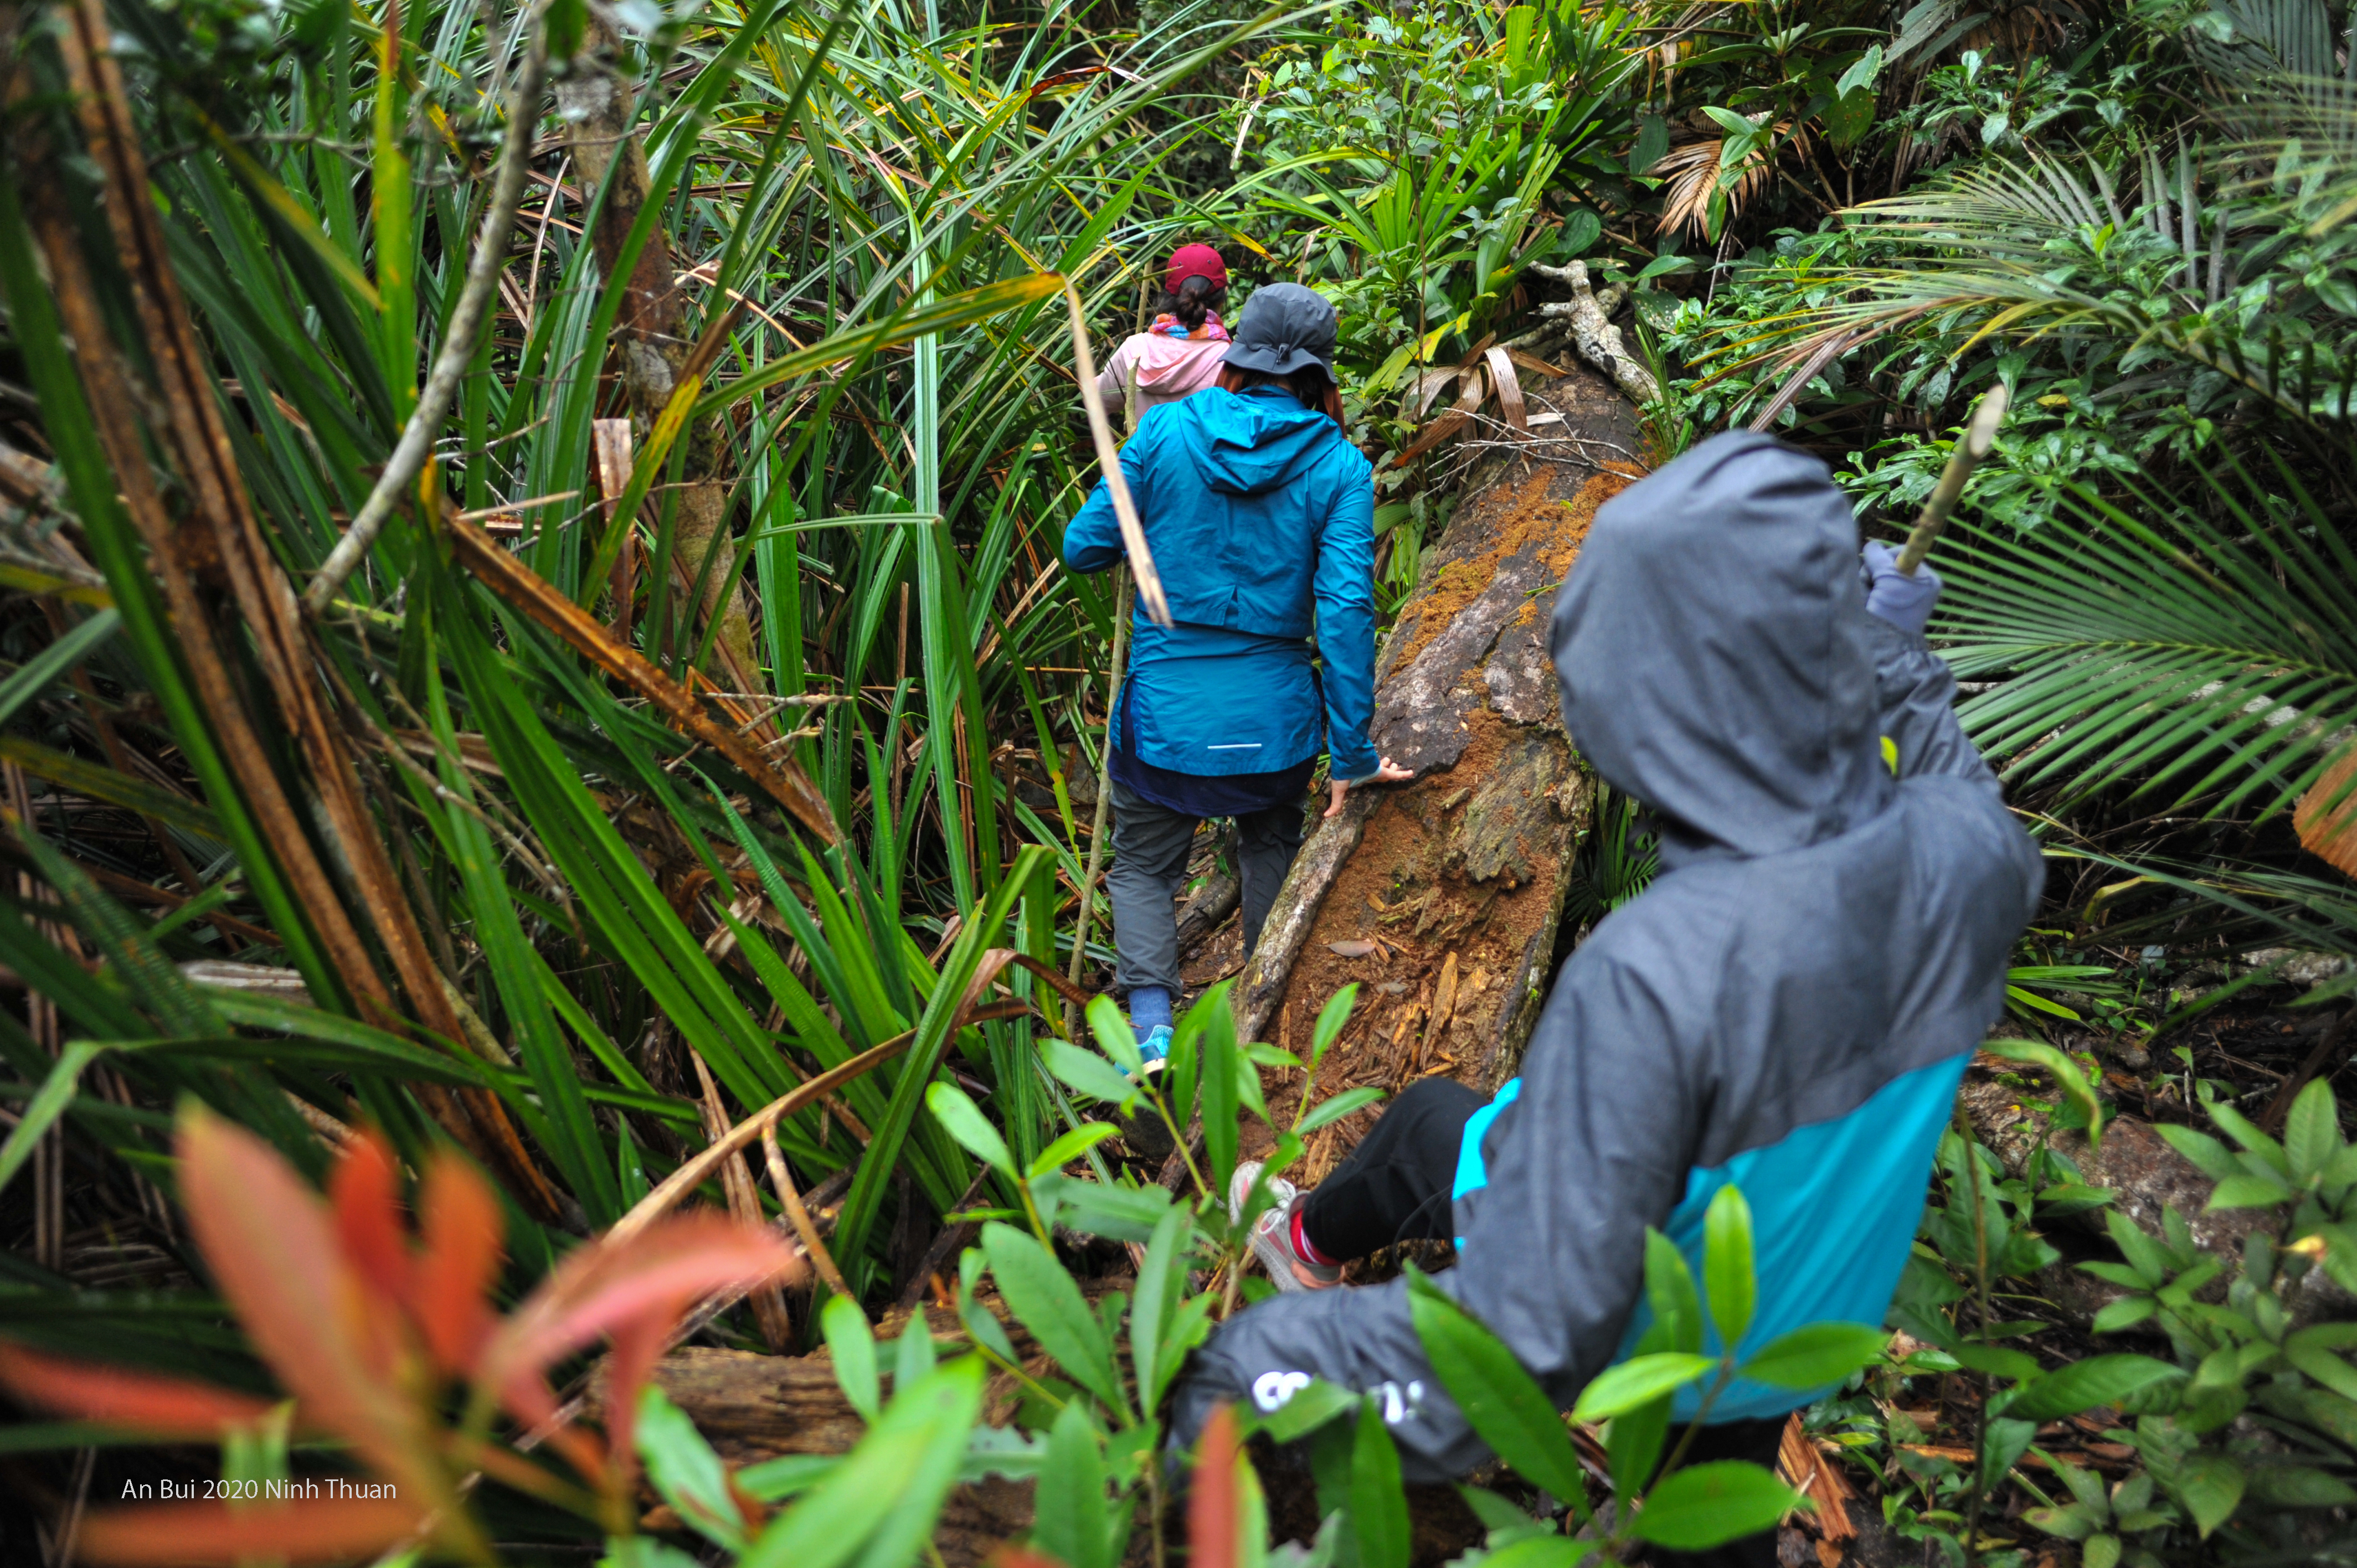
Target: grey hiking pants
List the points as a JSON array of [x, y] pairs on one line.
[[1149, 865]]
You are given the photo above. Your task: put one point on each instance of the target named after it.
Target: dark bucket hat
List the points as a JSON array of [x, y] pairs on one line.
[[1285, 327]]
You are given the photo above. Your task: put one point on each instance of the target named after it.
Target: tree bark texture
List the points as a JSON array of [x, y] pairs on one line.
[[651, 331], [1442, 898]]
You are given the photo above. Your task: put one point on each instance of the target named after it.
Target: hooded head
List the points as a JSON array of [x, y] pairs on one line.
[[1285, 327], [1713, 648]]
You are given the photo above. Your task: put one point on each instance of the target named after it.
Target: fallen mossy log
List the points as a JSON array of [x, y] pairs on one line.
[[751, 1407], [1442, 898]]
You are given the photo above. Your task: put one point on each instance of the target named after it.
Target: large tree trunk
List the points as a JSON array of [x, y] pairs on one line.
[[1442, 897]]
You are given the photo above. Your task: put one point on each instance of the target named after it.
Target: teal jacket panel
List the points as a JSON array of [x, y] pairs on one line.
[[1261, 520]]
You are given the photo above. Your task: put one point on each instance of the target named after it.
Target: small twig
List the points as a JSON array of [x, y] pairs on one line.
[[791, 1200], [416, 444]]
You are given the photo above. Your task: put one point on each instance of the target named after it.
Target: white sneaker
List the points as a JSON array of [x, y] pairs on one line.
[[1272, 1240]]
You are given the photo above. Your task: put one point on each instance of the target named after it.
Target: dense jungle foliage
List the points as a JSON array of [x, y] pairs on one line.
[[533, 661]]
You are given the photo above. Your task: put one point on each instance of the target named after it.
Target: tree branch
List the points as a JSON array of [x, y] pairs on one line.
[[416, 443]]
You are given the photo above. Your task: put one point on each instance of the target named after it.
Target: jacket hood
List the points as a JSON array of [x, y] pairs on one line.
[[1713, 647], [1247, 444], [1175, 364]]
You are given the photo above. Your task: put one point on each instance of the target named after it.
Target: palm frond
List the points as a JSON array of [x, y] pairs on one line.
[[2198, 647]]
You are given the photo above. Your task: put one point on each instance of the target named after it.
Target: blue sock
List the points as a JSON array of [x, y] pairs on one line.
[[1149, 1009]]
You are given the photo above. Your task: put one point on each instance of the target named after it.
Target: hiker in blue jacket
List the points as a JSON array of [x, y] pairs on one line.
[[1789, 1007], [1260, 516]]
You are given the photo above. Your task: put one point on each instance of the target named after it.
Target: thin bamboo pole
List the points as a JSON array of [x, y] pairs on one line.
[[1104, 777]]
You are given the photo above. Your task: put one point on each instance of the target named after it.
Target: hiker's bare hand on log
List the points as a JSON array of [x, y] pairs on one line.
[[1386, 772]]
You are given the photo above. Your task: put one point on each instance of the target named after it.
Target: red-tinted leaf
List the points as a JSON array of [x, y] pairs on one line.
[[1211, 1505], [136, 1402], [2326, 817], [603, 1290], [462, 1225], [365, 1194], [1013, 1556], [196, 1535], [638, 1345], [335, 1344]]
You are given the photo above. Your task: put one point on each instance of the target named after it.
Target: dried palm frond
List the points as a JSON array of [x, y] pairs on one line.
[[1692, 169]]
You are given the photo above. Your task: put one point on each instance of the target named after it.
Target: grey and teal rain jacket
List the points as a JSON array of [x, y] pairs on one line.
[[1261, 520], [1789, 1007]]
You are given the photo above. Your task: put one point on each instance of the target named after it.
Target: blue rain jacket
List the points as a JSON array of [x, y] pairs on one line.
[[1261, 518], [1789, 1007]]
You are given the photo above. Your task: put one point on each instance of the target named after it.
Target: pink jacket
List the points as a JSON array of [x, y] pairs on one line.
[[1167, 370]]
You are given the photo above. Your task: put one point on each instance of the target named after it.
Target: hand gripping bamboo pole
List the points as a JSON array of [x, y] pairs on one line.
[[1979, 437]]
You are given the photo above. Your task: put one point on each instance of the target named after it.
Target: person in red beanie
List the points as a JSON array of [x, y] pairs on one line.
[[1180, 352]]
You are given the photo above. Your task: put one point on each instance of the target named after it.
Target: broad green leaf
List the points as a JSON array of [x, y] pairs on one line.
[[2085, 1385], [1041, 1292], [1111, 1027], [1816, 1356], [852, 1347], [912, 1353], [1505, 1405], [2072, 1521], [1221, 1063], [1068, 1148], [2299, 1486], [1331, 1018], [963, 1120], [1726, 1273], [2239, 1128], [685, 1471], [2217, 1161], [1670, 1292], [2324, 1367], [1640, 1380], [1161, 1276], [1997, 1361], [1549, 1550], [1070, 1515], [2248, 1191], [1861, 72], [1305, 1410], [2312, 1131], [1635, 1443], [1089, 1073], [881, 1503], [2066, 1075], [1378, 1502], [1336, 1107], [2127, 1311], [2210, 1486], [1707, 1505]]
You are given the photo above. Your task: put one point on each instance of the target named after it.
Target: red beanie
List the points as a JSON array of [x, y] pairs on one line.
[[1194, 262]]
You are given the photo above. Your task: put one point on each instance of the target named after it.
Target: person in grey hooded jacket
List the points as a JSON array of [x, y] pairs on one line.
[[1789, 1006]]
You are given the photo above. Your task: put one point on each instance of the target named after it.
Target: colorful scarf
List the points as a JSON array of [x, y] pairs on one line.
[[1209, 332]]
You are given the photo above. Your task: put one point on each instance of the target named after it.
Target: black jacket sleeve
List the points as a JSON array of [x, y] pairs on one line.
[[1596, 1148], [1915, 695]]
